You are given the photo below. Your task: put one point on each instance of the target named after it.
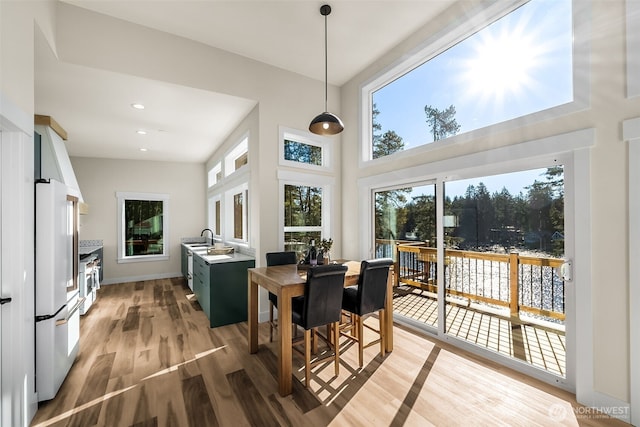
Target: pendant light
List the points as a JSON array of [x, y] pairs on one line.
[[326, 123]]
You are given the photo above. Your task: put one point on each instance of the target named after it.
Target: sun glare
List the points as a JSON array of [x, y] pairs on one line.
[[501, 65]]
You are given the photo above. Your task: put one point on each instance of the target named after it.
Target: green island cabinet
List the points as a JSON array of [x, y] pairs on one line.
[[184, 261], [220, 285]]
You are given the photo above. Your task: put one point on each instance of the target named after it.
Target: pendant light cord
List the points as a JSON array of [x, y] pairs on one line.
[[325, 64]]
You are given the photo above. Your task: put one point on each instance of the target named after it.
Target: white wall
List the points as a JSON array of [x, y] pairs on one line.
[[284, 98], [608, 108], [100, 179], [18, 21], [17, 29]]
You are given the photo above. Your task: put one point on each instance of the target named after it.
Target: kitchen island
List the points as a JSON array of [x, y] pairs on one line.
[[219, 283]]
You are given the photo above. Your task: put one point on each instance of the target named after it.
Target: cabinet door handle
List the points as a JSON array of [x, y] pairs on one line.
[[4, 301]]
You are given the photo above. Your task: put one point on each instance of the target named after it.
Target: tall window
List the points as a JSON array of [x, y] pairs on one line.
[[215, 206], [143, 227], [235, 227], [518, 65], [238, 216], [302, 216], [217, 218]]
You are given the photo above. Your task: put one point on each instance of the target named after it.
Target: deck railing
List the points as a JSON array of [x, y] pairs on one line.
[[521, 283]]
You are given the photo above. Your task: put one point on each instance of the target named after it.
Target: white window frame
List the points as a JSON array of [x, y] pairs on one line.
[[212, 214], [306, 138], [327, 183], [242, 147], [227, 208], [570, 149], [122, 254], [213, 173], [454, 33]]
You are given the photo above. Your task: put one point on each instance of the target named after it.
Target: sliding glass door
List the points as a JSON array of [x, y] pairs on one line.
[[493, 280], [503, 250], [406, 230]]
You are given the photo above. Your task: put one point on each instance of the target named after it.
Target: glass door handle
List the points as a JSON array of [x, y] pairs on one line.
[[3, 301]]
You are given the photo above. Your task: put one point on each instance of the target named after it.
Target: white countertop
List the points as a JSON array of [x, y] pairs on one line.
[[88, 249], [218, 259]]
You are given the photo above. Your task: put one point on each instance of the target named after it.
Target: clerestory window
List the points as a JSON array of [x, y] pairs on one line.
[[518, 65]]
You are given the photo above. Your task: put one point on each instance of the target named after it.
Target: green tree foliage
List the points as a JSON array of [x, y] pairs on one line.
[[143, 218], [302, 205], [533, 220], [304, 153], [389, 210], [423, 210], [442, 122], [385, 143], [390, 142]]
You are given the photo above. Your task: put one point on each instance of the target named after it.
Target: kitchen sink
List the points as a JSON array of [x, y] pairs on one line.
[[198, 245]]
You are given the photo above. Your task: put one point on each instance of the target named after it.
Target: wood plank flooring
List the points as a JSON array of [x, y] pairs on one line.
[[148, 358]]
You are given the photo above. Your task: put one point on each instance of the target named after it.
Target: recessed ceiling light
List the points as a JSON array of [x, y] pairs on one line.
[[143, 149], [138, 106], [141, 132]]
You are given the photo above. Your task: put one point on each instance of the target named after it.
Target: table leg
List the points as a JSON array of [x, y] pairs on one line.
[[253, 315], [284, 333], [388, 314]]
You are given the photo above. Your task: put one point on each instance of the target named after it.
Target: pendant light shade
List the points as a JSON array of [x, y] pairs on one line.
[[326, 123]]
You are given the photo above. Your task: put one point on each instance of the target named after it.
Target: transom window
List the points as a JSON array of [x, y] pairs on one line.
[[238, 157], [215, 175], [304, 153], [301, 149], [518, 65]]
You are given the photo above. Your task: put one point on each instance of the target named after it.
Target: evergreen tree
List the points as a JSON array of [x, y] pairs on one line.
[[442, 122], [383, 144], [424, 208], [390, 214], [389, 143]]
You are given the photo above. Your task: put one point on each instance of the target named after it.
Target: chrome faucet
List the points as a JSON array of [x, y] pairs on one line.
[[210, 231]]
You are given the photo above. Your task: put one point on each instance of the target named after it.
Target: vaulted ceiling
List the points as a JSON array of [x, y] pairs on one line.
[[277, 33]]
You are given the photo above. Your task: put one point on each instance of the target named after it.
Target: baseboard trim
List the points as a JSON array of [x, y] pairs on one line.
[[116, 280], [599, 403]]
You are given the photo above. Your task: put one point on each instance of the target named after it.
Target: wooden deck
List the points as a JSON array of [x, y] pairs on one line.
[[542, 346]]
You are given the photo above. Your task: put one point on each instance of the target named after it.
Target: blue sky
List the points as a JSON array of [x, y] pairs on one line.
[[518, 65]]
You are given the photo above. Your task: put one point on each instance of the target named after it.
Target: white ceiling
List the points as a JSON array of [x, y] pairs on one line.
[[278, 33]]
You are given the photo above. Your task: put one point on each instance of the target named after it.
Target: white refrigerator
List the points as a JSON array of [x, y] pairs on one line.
[[56, 286]]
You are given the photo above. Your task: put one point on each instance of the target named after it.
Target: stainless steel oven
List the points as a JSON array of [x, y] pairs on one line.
[[89, 278]]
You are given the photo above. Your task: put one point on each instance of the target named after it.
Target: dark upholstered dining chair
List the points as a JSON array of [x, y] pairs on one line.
[[277, 258], [365, 298], [320, 305]]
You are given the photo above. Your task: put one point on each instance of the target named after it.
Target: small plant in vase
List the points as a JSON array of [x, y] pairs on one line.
[[325, 246]]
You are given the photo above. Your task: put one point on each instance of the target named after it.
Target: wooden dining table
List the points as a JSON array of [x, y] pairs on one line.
[[288, 281]]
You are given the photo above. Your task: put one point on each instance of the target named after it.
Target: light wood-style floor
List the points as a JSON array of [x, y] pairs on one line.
[[148, 358]]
